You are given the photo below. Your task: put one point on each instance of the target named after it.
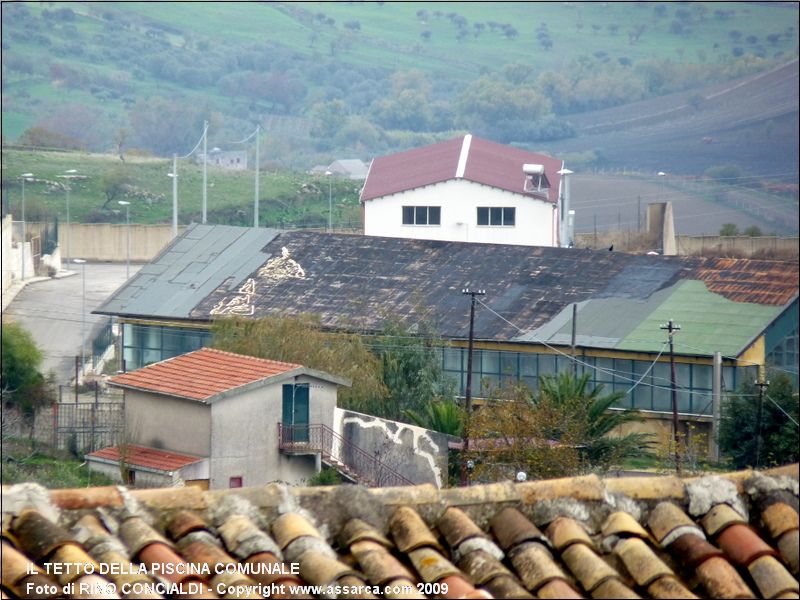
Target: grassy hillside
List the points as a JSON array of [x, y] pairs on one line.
[[85, 70], [287, 198]]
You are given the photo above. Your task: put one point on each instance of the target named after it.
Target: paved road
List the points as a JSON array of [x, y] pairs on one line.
[[52, 311]]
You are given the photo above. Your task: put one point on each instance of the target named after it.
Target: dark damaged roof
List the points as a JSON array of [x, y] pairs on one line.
[[354, 281], [466, 157]]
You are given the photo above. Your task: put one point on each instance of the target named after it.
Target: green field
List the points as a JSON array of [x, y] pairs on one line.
[[108, 56], [286, 198]]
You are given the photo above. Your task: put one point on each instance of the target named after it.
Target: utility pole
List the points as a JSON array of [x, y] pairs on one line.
[[762, 385], [672, 328], [205, 162], [255, 205], [468, 391], [574, 335]]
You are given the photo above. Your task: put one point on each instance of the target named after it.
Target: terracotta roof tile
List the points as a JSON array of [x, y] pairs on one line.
[[150, 458], [780, 518], [669, 587], [614, 588], [771, 577], [357, 530], [692, 550], [202, 374], [588, 567], [410, 531], [511, 528], [666, 518], [393, 544], [721, 580], [720, 517], [789, 545], [641, 562], [564, 532], [380, 566], [535, 565], [620, 523], [742, 544], [291, 526]]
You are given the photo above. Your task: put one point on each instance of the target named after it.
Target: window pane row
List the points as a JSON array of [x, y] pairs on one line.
[[496, 216], [422, 215]]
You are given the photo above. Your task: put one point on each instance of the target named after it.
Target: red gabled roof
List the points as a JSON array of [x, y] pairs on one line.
[[202, 374], [484, 162], [150, 458]]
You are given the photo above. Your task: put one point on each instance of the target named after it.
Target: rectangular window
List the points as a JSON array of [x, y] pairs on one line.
[[422, 215], [497, 216], [235, 482]]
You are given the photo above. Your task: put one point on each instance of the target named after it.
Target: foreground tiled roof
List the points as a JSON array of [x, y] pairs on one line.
[[149, 458], [732, 536], [466, 157], [202, 374]]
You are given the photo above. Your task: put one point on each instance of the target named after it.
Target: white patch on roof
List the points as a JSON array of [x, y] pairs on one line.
[[462, 159]]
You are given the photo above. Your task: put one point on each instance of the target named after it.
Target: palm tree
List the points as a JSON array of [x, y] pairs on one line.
[[599, 445], [444, 416]]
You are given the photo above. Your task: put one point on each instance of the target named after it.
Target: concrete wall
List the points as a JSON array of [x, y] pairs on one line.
[[109, 242], [416, 453], [744, 245], [535, 219], [244, 436], [6, 250], [168, 423]]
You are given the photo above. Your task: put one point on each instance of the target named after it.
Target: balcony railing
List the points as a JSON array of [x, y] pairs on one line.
[[354, 462]]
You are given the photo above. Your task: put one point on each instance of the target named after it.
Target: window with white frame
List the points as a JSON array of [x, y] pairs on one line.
[[497, 216], [422, 215]]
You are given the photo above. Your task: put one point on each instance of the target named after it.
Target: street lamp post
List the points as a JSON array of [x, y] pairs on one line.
[[329, 174], [174, 176], [127, 206], [68, 175], [80, 261], [24, 176]]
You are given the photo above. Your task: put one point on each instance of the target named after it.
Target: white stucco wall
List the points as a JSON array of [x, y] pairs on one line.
[[169, 423], [459, 199], [244, 435]]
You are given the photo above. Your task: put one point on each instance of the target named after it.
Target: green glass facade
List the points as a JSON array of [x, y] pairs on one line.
[[146, 344], [491, 368]]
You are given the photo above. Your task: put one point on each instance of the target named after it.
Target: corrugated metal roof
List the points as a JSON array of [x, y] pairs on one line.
[[485, 162], [709, 322], [191, 267], [202, 374]]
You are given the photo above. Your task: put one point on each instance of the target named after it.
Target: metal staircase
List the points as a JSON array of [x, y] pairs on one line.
[[354, 463]]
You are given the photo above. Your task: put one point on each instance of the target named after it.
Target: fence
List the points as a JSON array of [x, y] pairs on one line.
[[87, 426]]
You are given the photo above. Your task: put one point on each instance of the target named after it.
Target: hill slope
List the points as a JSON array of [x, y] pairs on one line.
[[752, 122], [360, 78]]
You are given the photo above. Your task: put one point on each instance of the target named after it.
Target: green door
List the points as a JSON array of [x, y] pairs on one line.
[[295, 412]]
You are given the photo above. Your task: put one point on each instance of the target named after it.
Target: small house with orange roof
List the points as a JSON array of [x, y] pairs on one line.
[[218, 419]]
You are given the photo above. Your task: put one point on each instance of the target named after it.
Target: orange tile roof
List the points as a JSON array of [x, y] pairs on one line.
[[721, 536], [150, 458], [202, 374]]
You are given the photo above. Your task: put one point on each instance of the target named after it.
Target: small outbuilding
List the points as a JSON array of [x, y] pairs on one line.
[[225, 415]]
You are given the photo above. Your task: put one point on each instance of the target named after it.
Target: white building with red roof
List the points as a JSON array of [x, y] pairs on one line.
[[471, 190], [218, 419]]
